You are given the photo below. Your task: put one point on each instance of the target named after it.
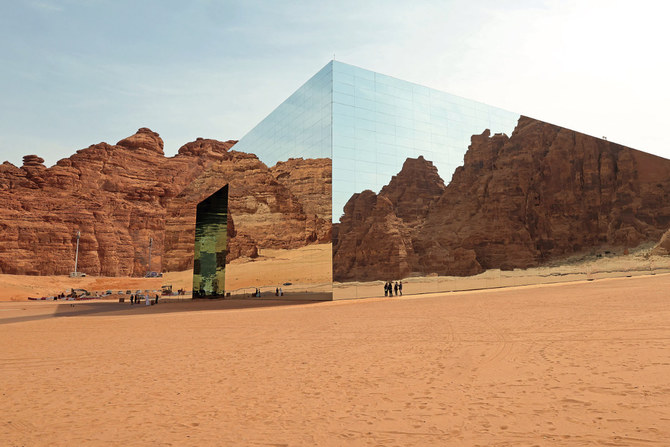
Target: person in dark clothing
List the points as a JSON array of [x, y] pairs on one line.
[[400, 288], [395, 288], [132, 299], [386, 289]]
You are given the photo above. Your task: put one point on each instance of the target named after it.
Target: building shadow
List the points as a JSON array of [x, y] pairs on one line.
[[70, 309]]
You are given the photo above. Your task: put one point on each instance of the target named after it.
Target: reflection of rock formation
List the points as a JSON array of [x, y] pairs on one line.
[[265, 211], [120, 195], [663, 246], [374, 236], [543, 193]]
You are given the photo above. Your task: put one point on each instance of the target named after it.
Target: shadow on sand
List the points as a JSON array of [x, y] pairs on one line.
[[79, 309]]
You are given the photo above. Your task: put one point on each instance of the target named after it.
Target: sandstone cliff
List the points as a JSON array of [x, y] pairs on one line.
[[264, 211], [374, 237], [120, 195], [544, 193]]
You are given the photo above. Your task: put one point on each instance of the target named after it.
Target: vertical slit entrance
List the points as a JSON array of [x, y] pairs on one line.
[[211, 245]]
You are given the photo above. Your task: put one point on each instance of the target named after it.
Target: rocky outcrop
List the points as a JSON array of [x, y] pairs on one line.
[[542, 194], [263, 211], [119, 196], [310, 181], [663, 246], [143, 139], [374, 237]]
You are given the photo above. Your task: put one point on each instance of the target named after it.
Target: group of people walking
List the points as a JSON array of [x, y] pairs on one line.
[[389, 288]]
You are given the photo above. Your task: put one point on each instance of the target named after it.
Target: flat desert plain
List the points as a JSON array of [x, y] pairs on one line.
[[584, 363]]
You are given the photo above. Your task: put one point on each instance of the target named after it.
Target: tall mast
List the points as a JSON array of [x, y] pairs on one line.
[[76, 256], [151, 243]]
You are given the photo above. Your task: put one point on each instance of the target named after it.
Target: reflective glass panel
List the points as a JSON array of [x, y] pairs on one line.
[[211, 238], [282, 214]]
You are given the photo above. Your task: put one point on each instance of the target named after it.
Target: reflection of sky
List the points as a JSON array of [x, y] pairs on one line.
[[299, 127], [369, 124], [380, 121]]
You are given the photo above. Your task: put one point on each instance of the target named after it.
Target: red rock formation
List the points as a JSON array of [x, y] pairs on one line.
[[119, 196], [663, 246], [374, 237], [265, 213], [310, 181], [545, 193], [145, 139], [542, 194]]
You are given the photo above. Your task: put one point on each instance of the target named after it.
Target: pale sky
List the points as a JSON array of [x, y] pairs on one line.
[[77, 72]]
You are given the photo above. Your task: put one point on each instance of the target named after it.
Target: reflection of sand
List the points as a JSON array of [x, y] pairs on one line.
[[571, 364], [308, 269], [595, 268], [20, 287]]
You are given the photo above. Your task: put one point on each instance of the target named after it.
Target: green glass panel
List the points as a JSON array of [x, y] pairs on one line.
[[211, 240]]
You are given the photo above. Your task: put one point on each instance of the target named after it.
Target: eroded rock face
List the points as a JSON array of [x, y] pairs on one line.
[[143, 139], [120, 196], [662, 248], [263, 211], [374, 237], [310, 181], [544, 193]]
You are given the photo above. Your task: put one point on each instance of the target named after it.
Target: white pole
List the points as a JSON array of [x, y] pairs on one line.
[[151, 243], [76, 256]]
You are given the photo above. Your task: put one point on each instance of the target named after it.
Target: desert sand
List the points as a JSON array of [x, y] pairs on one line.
[[306, 268], [309, 270], [579, 267], [20, 287], [583, 363]]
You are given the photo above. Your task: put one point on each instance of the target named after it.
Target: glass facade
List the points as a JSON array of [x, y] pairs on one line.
[[380, 121], [434, 192], [211, 240], [298, 127]]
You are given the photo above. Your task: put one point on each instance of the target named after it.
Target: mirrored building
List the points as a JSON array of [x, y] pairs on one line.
[[434, 192]]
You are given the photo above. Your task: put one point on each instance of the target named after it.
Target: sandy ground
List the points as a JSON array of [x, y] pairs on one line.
[[20, 287], [309, 269], [591, 268], [575, 364], [306, 268]]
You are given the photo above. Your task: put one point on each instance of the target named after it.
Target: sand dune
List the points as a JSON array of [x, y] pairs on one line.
[[572, 364]]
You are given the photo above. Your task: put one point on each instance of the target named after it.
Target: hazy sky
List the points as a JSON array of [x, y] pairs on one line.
[[77, 72]]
